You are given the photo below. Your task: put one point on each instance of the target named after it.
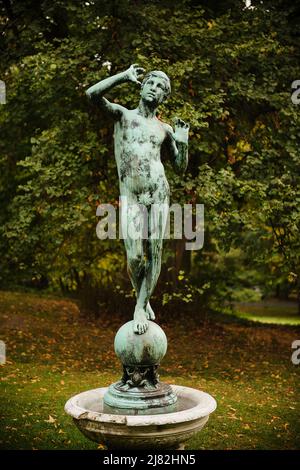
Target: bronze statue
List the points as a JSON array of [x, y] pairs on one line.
[[138, 138]]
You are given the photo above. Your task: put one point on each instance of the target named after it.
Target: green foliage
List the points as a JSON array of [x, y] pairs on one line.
[[231, 70]]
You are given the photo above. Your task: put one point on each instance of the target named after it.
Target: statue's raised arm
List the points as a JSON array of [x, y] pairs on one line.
[[96, 92], [177, 142]]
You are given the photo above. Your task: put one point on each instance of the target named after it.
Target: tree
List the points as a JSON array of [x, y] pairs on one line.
[[231, 70]]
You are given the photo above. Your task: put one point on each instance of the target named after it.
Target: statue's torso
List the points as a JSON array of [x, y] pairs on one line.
[[138, 142]]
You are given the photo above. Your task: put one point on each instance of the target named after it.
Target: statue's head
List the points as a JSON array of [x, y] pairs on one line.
[[156, 87]]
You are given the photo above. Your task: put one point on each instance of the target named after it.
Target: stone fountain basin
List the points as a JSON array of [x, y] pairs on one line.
[[120, 429]]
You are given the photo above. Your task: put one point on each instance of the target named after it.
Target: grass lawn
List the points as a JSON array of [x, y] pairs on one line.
[[269, 311], [53, 353]]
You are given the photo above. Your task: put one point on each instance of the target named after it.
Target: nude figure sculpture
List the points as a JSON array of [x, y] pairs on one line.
[[138, 139]]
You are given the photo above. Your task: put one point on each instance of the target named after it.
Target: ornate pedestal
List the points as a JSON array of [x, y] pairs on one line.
[[140, 388]]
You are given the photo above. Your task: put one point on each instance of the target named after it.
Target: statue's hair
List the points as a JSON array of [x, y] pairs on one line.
[[163, 75]]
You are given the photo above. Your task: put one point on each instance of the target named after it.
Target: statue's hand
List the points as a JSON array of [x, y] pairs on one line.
[[132, 74], [181, 133]]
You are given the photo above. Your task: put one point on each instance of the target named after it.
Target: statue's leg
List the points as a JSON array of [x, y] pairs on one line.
[[153, 253], [132, 223], [156, 243], [136, 284], [136, 281]]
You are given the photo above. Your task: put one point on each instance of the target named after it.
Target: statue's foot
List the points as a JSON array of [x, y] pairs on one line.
[[140, 322], [149, 312]]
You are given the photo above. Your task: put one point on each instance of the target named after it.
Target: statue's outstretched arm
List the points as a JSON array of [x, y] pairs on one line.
[[178, 145], [96, 92]]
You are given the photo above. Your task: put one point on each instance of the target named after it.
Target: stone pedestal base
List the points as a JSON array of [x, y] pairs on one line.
[[121, 430], [140, 398]]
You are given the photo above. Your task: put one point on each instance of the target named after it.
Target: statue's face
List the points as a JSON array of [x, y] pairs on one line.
[[154, 90]]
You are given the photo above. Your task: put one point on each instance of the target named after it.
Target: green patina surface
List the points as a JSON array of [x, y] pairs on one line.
[[139, 137], [139, 388], [147, 349]]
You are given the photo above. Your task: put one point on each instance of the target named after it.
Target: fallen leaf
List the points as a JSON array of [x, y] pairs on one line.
[[50, 420]]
